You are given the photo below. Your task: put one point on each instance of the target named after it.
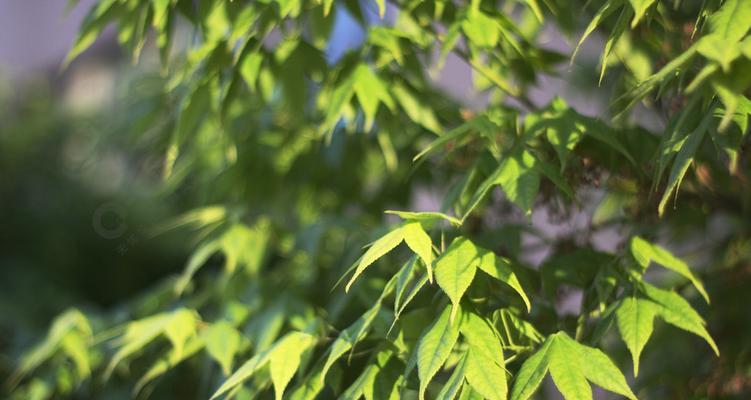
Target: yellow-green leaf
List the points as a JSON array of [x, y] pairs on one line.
[[645, 252], [485, 376], [435, 347], [419, 241], [635, 317], [286, 358], [222, 342], [455, 270], [379, 248]]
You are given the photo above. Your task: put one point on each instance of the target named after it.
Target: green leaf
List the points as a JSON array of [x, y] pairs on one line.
[[164, 364], [532, 372], [481, 337], [403, 278], [480, 123], [381, 7], [719, 49], [732, 20], [196, 261], [222, 342], [688, 147], [455, 381], [180, 327], [428, 217], [417, 110], [70, 322], [635, 317], [286, 358], [519, 180], [602, 371], [455, 269], [370, 91], [535, 7], [244, 372], [137, 335], [571, 365], [485, 376], [607, 8], [571, 382], [76, 346], [91, 27], [613, 38], [419, 241], [645, 252], [678, 312], [414, 289], [640, 8], [481, 30], [500, 269], [379, 248], [434, 348], [349, 337], [336, 103]]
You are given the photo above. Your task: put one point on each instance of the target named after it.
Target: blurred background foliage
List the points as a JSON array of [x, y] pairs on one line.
[[242, 189]]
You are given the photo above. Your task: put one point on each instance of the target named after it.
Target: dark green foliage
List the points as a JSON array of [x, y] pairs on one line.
[[289, 158]]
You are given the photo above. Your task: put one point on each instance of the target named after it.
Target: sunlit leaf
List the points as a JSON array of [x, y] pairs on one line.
[[434, 347]]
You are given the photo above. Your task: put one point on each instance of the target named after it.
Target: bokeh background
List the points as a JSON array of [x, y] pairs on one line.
[[77, 192]]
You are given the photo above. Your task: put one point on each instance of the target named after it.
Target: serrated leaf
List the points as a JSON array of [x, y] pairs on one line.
[[455, 269], [403, 278], [530, 375], [481, 337], [285, 359], [477, 124], [349, 337], [676, 311], [613, 38], [571, 365], [571, 382], [379, 248], [485, 376], [602, 371], [607, 8], [426, 217], [222, 342], [414, 289], [688, 147], [519, 180], [635, 318], [500, 269], [455, 381], [419, 241], [435, 347], [645, 252]]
